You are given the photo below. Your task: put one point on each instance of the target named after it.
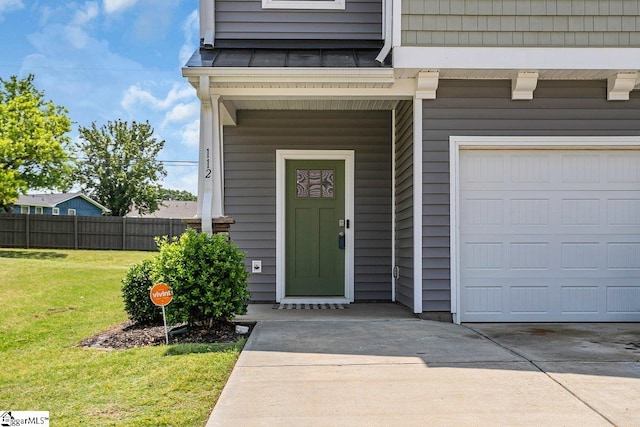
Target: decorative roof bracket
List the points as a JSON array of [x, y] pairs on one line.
[[620, 85], [427, 84], [523, 85]]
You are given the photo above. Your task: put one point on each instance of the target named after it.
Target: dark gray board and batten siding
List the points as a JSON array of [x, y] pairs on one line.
[[247, 20], [485, 108], [250, 187], [404, 203]]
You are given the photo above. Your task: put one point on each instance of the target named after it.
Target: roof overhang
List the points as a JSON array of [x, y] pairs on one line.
[[304, 88], [247, 77], [415, 73], [551, 63]]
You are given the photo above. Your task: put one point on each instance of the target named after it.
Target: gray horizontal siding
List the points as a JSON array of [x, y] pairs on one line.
[[404, 203], [521, 22], [245, 19], [478, 108], [250, 187]]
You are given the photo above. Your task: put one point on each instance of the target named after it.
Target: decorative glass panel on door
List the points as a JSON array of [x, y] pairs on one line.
[[315, 183]]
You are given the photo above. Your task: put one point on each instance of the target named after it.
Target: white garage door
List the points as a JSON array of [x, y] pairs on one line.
[[549, 235]]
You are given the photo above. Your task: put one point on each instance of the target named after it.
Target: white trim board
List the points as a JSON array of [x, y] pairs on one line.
[[518, 58], [457, 143], [393, 205], [349, 164], [418, 221]]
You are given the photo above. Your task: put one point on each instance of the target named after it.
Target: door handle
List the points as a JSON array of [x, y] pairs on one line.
[[341, 240]]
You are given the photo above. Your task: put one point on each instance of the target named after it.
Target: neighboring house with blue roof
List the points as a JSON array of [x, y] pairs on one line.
[[59, 204]]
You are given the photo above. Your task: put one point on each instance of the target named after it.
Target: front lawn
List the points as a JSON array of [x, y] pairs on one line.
[[50, 300]]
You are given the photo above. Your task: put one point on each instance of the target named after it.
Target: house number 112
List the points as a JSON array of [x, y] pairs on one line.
[[207, 171]]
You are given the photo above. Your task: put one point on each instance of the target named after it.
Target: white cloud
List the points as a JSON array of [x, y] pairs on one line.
[[135, 95], [191, 134], [82, 17], [113, 6], [77, 37], [181, 113]]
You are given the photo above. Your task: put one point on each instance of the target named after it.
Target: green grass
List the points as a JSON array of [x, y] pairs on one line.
[[52, 299]]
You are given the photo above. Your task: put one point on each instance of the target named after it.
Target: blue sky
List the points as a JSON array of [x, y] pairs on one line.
[[111, 59]]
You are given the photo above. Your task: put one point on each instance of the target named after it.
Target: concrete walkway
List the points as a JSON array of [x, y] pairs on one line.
[[356, 367]]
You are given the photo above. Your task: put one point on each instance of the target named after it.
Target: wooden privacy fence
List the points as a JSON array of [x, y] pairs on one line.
[[85, 232]]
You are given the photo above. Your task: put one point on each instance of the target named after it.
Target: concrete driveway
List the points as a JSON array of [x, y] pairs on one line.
[[354, 369]]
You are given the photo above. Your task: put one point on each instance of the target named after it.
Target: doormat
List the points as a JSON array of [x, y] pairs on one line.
[[310, 307]]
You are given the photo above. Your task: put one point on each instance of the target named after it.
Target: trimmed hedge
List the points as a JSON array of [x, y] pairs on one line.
[[206, 273], [135, 293]]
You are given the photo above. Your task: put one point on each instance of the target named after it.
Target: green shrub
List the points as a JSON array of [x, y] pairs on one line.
[[207, 275], [135, 292]]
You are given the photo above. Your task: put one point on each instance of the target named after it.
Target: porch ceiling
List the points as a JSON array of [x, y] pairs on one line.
[[316, 104]]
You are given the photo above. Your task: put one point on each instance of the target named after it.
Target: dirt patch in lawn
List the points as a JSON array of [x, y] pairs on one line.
[[130, 335]]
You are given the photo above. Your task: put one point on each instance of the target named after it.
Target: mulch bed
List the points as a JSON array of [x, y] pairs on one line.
[[130, 335]]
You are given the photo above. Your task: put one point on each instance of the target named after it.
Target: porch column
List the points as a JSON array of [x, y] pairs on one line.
[[417, 205], [426, 87], [210, 159]]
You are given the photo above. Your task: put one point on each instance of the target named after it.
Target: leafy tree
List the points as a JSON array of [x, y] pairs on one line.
[[118, 166], [182, 195], [33, 141]]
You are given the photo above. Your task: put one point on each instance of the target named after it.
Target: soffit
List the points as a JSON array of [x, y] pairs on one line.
[[507, 74], [316, 104]]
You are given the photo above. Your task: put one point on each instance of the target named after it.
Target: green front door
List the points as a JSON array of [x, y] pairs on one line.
[[315, 257]]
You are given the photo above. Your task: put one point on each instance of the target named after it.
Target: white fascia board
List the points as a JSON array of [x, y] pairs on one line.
[[517, 58], [293, 75], [315, 93], [401, 89]]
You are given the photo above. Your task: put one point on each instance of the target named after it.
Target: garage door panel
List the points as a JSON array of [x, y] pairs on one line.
[[550, 236], [623, 256], [623, 168], [529, 299], [540, 208], [484, 255], [623, 299], [483, 300], [623, 211], [528, 255], [581, 299]]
